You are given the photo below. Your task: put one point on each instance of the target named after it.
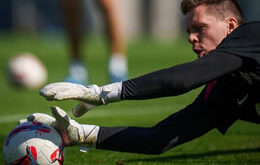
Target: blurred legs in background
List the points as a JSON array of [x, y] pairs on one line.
[[117, 64]]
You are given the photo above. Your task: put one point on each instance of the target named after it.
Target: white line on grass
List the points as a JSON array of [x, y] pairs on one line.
[[11, 118], [113, 112]]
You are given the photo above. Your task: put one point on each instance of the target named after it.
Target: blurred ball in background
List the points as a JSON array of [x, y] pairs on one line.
[[26, 70]]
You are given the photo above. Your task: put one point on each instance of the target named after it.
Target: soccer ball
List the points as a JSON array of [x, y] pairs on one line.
[[33, 143], [26, 70]]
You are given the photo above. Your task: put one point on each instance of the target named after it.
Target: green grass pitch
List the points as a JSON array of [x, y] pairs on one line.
[[240, 146]]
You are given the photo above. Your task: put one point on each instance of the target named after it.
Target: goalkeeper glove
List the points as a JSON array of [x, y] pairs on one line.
[[90, 96], [72, 132]]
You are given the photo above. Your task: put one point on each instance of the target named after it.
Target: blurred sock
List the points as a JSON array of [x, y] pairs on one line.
[[77, 73], [118, 69]]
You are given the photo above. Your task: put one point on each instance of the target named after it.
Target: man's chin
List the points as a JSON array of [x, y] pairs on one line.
[[201, 54]]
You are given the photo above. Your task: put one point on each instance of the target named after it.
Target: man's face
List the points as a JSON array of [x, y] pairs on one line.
[[205, 30]]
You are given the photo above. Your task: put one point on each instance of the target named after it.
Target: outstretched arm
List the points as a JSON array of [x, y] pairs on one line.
[[180, 79], [180, 127], [167, 82]]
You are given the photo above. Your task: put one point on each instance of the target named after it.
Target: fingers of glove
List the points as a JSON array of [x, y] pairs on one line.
[[82, 108], [28, 119], [51, 90], [90, 94], [69, 94], [41, 118], [62, 119], [22, 121]]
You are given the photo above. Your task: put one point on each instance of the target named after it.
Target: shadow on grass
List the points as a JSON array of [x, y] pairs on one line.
[[198, 156]]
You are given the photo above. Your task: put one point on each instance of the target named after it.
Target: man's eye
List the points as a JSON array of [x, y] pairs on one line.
[[201, 28]]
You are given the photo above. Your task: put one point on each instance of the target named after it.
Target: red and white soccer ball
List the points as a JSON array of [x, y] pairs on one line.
[[33, 143], [26, 69]]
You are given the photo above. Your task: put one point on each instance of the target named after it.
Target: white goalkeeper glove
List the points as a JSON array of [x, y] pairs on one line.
[[72, 132], [90, 96]]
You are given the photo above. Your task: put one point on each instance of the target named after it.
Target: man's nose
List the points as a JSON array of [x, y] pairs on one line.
[[193, 37]]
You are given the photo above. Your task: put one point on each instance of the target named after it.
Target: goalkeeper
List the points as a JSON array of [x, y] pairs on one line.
[[228, 65]]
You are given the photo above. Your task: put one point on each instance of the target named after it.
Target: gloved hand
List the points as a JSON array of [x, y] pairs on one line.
[[72, 132], [90, 96], [39, 117]]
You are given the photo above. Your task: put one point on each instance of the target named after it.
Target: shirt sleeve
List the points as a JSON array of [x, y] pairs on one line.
[[182, 78]]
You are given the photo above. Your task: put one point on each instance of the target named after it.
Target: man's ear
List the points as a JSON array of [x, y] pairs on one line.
[[232, 24]]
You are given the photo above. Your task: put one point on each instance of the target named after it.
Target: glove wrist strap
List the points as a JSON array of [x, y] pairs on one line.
[[111, 92]]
